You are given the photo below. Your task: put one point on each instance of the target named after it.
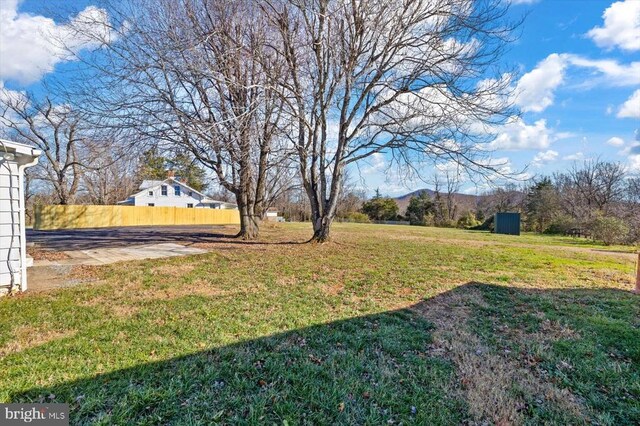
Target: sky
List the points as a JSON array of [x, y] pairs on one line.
[[577, 83]]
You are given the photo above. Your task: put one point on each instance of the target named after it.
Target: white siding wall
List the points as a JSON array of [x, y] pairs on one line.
[[10, 243], [169, 200]]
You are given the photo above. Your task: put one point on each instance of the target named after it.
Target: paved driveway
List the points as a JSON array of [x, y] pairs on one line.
[[101, 246], [96, 238]]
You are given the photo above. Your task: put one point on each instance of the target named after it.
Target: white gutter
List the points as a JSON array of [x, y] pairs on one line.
[[22, 208]]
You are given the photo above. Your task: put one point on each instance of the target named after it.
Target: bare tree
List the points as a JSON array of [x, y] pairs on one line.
[[111, 177], [501, 199], [54, 129], [632, 208], [197, 76], [409, 78], [351, 197], [633, 191], [446, 185], [592, 187]]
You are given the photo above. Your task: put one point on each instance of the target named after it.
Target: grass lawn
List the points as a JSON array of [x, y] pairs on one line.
[[385, 325]]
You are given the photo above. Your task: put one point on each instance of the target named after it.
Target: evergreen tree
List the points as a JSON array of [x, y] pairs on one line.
[[419, 207], [154, 166], [541, 205], [381, 208], [186, 170]]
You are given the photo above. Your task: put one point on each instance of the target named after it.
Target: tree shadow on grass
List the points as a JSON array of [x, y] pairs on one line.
[[372, 369]]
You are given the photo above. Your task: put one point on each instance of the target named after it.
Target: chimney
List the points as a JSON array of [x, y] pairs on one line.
[[170, 174]]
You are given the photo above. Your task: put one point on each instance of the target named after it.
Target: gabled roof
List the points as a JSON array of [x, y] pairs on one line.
[[149, 183], [172, 181]]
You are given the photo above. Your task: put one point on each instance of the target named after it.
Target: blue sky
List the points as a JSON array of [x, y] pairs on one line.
[[578, 65]]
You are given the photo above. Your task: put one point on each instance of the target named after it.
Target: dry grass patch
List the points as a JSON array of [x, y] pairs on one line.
[[38, 253], [117, 309], [495, 386], [29, 336], [173, 270]]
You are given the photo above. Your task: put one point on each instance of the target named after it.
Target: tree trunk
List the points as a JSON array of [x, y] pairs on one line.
[[249, 222], [323, 218], [322, 229], [249, 227]]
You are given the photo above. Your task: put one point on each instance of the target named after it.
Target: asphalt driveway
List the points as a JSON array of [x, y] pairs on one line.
[[97, 238]]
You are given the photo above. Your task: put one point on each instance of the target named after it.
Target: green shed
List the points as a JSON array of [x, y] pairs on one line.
[[507, 223]]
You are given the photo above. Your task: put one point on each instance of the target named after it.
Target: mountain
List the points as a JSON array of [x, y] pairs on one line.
[[464, 202]]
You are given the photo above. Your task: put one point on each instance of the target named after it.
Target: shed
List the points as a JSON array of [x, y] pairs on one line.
[[507, 223], [14, 159], [271, 215]]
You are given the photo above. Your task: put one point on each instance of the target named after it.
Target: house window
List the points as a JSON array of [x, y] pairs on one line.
[[151, 204], [176, 190], [190, 193], [151, 193], [189, 206], [163, 190]]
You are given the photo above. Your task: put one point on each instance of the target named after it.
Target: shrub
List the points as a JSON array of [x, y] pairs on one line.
[[609, 230], [468, 220], [487, 225], [357, 217], [447, 223], [560, 225]]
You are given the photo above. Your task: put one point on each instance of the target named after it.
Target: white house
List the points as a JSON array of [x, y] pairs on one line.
[[14, 159], [172, 193]]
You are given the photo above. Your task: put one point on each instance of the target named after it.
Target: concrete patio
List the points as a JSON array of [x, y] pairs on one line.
[[104, 256], [77, 250]]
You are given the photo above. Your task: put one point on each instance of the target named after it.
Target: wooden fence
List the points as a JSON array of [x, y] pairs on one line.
[[80, 216]]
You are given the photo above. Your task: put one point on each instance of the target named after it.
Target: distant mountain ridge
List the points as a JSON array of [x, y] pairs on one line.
[[468, 201]]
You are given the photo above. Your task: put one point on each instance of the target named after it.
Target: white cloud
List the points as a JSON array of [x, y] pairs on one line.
[[13, 96], [517, 135], [613, 73], [615, 141], [7, 94], [32, 45], [632, 152], [631, 107], [621, 26], [544, 157], [375, 163], [534, 91], [634, 164], [574, 157]]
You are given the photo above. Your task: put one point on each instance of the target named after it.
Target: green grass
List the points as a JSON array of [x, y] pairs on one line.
[[388, 324]]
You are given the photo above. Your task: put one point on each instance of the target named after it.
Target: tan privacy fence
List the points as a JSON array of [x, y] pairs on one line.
[[69, 217]]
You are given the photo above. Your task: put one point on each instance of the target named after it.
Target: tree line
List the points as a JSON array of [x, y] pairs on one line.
[[272, 97], [595, 198]]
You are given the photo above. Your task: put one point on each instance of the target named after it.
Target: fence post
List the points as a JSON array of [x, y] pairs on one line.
[[637, 289]]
